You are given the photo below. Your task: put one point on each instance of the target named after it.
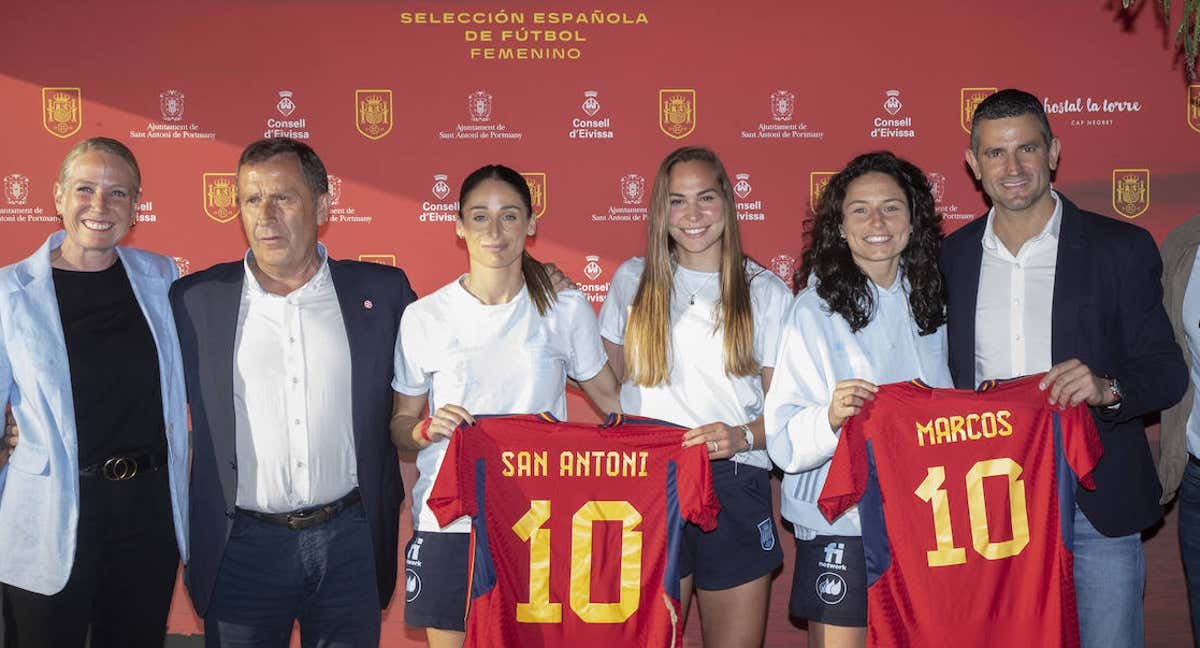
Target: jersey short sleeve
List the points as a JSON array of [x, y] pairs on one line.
[[587, 356], [614, 313], [771, 298], [411, 376]]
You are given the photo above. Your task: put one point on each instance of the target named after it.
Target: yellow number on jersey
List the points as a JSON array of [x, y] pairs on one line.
[[946, 553], [539, 609]]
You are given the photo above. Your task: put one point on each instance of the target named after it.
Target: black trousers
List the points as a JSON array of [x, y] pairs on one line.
[[122, 579]]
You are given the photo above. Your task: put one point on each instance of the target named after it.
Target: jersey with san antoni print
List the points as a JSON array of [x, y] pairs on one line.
[[967, 502], [576, 528]]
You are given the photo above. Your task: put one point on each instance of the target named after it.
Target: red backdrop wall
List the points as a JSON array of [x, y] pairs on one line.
[[402, 99]]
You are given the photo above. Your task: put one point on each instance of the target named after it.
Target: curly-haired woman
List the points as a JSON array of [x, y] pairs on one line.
[[872, 312]]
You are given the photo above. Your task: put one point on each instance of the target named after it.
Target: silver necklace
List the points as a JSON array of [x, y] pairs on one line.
[[686, 288]]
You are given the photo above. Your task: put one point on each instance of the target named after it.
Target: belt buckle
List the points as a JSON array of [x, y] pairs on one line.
[[119, 468]]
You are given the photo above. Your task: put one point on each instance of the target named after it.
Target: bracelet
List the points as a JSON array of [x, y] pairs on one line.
[[748, 437], [424, 432]]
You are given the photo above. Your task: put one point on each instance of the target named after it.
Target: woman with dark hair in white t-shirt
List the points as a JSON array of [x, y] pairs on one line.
[[691, 329], [497, 340]]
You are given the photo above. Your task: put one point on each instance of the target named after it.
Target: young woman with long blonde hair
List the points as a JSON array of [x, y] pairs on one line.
[[690, 329]]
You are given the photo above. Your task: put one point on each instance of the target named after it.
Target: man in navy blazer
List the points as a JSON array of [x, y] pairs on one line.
[[1041, 285], [295, 483]]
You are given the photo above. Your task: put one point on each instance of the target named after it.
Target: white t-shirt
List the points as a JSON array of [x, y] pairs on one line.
[[490, 359], [698, 391]]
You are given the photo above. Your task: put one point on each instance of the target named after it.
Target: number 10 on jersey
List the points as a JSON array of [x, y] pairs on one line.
[[529, 529], [931, 491]]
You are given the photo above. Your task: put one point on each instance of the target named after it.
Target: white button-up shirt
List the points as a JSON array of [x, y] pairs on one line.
[[1016, 292], [291, 397]]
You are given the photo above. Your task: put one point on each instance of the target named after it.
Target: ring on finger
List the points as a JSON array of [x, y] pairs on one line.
[[713, 446]]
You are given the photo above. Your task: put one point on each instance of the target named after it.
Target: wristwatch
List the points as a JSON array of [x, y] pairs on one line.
[[1114, 388], [749, 436]]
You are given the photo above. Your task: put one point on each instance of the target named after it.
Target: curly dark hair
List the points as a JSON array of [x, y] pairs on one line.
[[840, 282]]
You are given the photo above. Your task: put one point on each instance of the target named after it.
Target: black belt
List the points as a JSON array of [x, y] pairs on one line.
[[1193, 460], [123, 467], [310, 517]]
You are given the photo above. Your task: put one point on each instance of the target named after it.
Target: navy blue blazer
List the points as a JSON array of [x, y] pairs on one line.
[[206, 313], [1107, 312]]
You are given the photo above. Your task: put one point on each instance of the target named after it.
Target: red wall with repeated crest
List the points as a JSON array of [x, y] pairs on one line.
[[403, 99]]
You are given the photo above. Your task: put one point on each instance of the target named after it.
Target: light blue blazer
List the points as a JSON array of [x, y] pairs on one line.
[[39, 488]]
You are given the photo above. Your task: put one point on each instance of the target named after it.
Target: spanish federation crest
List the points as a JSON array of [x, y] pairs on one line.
[[440, 188], [633, 189], [537, 191], [170, 105], [62, 111], [817, 180], [783, 104], [892, 104], [969, 100], [591, 105], [1131, 191], [16, 189], [285, 106], [592, 268], [677, 112], [1193, 107], [373, 113], [742, 187], [784, 267], [382, 259], [479, 106], [220, 196], [937, 186], [335, 190]]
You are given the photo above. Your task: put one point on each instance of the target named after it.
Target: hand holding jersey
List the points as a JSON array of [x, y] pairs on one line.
[[440, 424], [1071, 382], [848, 399], [720, 439]]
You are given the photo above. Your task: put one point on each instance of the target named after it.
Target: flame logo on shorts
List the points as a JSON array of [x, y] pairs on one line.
[[831, 588]]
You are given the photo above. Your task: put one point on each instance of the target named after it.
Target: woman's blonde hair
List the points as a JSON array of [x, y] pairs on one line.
[[647, 334]]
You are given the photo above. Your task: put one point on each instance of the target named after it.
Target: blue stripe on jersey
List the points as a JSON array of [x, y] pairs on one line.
[[483, 580], [674, 535], [870, 512], [1065, 481]]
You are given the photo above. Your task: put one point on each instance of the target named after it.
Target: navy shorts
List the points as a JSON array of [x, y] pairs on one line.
[[435, 580], [829, 583], [745, 544]]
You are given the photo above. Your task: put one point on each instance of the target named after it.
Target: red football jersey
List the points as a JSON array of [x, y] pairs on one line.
[[576, 528], [967, 507]]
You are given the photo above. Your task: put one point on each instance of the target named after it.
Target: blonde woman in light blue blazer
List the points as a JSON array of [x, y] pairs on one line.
[[92, 500]]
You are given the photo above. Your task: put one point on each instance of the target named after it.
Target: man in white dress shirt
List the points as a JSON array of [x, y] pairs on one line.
[[295, 483], [1039, 285]]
